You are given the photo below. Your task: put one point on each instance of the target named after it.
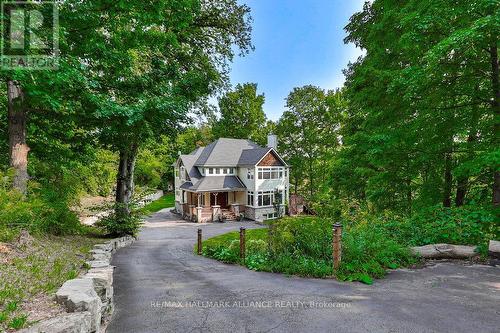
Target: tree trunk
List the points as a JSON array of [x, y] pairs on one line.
[[495, 83], [18, 149], [445, 251], [447, 180], [463, 181], [125, 181], [311, 185], [409, 195]]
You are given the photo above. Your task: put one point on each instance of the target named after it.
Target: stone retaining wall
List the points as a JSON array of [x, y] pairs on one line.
[[88, 300]]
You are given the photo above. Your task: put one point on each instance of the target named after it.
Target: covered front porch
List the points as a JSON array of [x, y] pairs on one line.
[[210, 206]]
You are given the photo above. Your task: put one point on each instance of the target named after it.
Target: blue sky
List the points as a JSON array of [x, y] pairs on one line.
[[297, 42]]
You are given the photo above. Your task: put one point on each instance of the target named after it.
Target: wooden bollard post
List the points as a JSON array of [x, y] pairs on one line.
[[337, 245], [242, 244], [199, 242]]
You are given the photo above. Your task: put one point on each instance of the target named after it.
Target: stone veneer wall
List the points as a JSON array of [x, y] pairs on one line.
[[88, 300], [259, 213]]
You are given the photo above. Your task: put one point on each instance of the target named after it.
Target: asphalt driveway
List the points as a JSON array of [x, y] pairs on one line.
[[161, 286]]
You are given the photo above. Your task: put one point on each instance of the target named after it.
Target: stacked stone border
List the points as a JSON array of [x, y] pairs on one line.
[[88, 300]]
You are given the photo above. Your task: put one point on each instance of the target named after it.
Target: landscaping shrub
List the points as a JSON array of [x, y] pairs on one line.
[[303, 246], [116, 225]]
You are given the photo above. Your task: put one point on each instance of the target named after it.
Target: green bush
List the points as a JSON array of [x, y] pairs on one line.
[[458, 225], [44, 209], [303, 246], [367, 253], [121, 224]]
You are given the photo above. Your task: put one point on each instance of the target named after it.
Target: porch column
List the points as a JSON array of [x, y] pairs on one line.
[[215, 213], [235, 207], [191, 210], [198, 214]]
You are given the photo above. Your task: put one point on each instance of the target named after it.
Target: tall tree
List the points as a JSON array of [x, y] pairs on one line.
[[241, 114], [150, 70], [307, 134], [423, 107]]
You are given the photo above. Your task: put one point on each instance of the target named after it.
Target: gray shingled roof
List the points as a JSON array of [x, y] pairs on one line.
[[187, 186], [224, 152], [221, 153], [188, 161], [252, 156], [219, 183]]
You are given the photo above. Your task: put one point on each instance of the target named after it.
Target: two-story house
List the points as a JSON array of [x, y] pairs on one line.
[[230, 177]]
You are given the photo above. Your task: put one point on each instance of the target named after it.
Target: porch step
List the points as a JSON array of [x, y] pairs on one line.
[[228, 215]]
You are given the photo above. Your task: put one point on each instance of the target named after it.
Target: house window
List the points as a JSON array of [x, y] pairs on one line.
[[217, 171], [249, 173], [270, 173], [286, 172], [176, 172], [210, 171], [231, 171], [265, 198], [250, 198], [270, 216]]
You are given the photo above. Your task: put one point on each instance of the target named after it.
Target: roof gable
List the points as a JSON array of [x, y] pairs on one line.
[[271, 159], [224, 152]]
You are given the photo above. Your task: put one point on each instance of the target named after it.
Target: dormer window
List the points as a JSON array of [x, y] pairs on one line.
[[183, 173]]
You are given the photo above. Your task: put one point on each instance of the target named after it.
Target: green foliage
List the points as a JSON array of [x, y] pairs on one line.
[[193, 137], [99, 176], [153, 167], [119, 224], [303, 246], [18, 322], [367, 253], [307, 135], [464, 225], [242, 115], [419, 129], [226, 247], [45, 210]]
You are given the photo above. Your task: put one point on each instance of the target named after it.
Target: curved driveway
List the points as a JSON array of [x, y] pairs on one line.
[[161, 286]]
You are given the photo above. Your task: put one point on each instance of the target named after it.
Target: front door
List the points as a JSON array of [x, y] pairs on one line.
[[221, 199]]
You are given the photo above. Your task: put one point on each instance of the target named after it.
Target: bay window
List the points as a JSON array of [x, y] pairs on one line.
[[265, 198]]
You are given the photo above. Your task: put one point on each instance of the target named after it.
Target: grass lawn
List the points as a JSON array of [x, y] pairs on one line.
[[31, 271], [166, 201], [225, 240]]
